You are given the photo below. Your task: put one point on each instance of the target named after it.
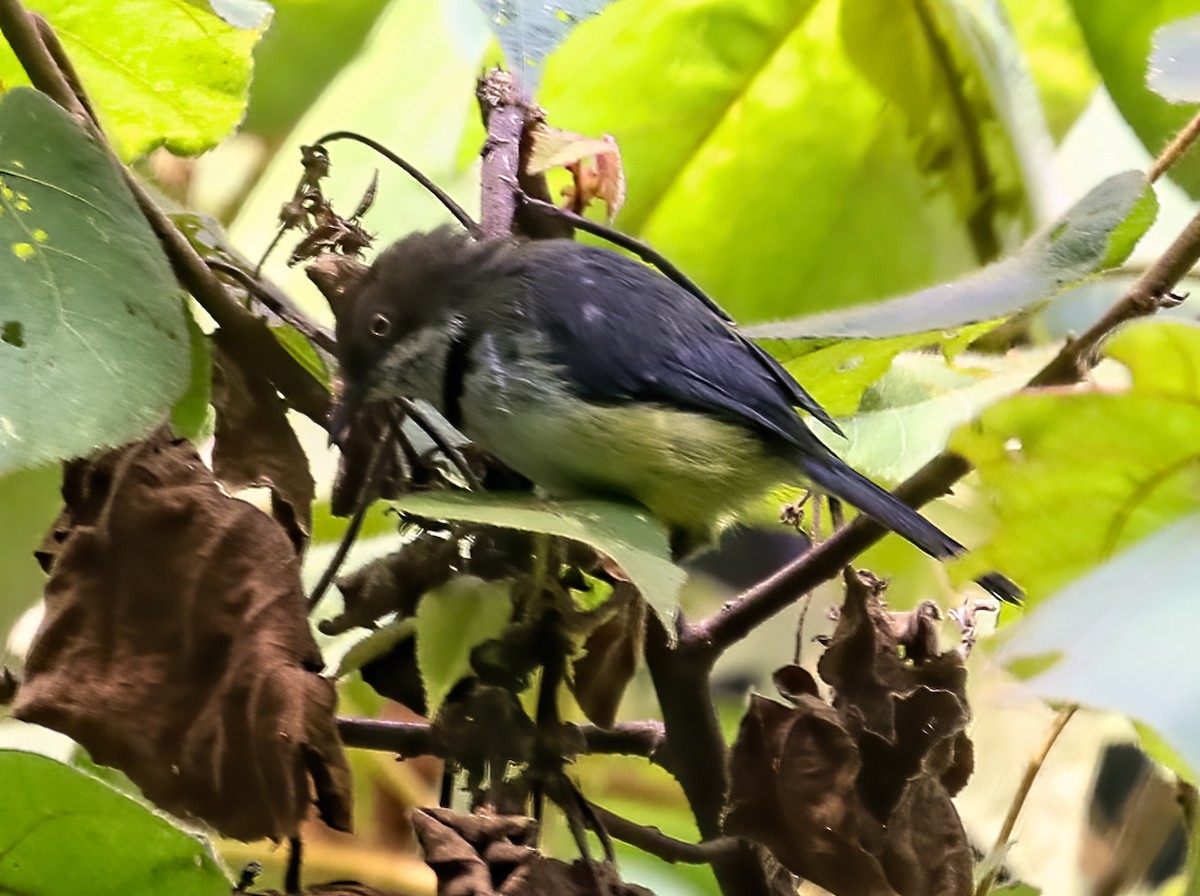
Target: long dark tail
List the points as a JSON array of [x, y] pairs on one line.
[[831, 475]]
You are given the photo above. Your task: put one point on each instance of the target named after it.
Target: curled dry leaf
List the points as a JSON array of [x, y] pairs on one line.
[[602, 179], [176, 648], [860, 799], [255, 445], [610, 656], [494, 855]]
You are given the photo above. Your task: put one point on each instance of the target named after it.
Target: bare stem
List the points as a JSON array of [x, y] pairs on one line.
[[1031, 773], [645, 738], [652, 840], [1175, 150]]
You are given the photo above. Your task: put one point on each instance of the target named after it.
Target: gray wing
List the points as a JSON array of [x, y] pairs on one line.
[[625, 332]]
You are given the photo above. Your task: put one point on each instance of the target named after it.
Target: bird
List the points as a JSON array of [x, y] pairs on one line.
[[593, 375]]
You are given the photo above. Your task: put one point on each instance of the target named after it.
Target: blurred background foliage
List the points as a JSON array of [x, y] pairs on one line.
[[794, 157]]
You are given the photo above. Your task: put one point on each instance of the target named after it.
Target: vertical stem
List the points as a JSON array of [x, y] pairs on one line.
[[696, 751], [1031, 773]]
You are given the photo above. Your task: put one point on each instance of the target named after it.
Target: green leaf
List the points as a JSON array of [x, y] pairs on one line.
[[625, 532], [94, 346], [302, 350], [52, 811], [1118, 35], [838, 371], [838, 354], [731, 167], [1174, 67], [1049, 36], [375, 645], [159, 72], [453, 620], [300, 54], [1095, 234], [1075, 476], [894, 441], [1141, 605], [529, 30], [190, 414]]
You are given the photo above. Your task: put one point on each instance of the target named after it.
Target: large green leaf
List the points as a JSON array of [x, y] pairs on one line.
[[732, 169], [625, 532], [908, 418], [1118, 35], [1051, 40], [94, 348], [159, 72], [305, 47], [453, 620], [1142, 606], [66, 833], [838, 354], [1076, 476]]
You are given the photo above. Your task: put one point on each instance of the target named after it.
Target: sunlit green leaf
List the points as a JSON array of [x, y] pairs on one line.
[[625, 532], [94, 347], [732, 175], [1051, 40], [302, 51], [115, 845], [1075, 476], [894, 441], [190, 413], [159, 72], [452, 620], [1095, 234], [838, 354]]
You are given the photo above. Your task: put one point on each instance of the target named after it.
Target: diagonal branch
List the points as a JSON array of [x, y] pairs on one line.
[[1150, 293]]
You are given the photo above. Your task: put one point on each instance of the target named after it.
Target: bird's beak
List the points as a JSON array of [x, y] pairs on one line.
[[345, 406]]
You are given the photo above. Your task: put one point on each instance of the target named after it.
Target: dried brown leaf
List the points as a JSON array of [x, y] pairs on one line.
[[603, 179], [544, 876], [610, 656], [860, 799], [255, 445], [176, 647], [494, 855]]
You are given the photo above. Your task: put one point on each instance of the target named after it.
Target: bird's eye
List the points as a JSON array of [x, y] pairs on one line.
[[380, 325]]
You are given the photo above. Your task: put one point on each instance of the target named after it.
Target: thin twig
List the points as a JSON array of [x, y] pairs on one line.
[[277, 303], [644, 738], [412, 171], [1175, 150], [366, 495], [1031, 773], [652, 840]]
